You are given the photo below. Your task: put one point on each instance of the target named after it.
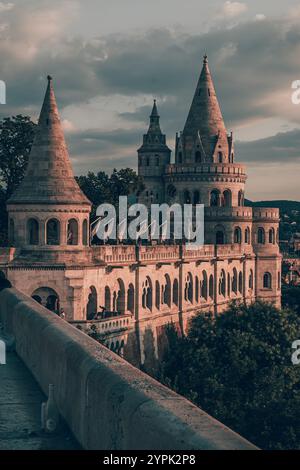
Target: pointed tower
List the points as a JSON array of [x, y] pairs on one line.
[[153, 156], [48, 210], [205, 171], [204, 138]]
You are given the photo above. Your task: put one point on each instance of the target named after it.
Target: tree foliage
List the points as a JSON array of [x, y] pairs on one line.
[[16, 137], [238, 368], [101, 188], [291, 297]]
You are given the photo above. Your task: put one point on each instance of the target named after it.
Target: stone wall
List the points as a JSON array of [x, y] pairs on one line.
[[107, 403]]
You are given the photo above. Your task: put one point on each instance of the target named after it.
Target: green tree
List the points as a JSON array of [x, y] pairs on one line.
[[238, 368], [16, 137], [100, 187], [291, 297]]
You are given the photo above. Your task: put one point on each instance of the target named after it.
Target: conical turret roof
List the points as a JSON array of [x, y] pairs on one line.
[[205, 117], [49, 177]]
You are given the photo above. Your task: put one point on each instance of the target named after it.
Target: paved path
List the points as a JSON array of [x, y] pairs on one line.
[[20, 411]]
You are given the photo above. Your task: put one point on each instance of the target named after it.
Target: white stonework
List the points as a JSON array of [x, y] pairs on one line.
[[149, 286]]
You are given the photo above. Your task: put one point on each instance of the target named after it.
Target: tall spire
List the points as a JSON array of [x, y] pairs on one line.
[[205, 117], [154, 140], [154, 126], [49, 176]]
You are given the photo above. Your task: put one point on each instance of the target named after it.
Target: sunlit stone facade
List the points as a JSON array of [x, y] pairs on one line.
[[143, 288]]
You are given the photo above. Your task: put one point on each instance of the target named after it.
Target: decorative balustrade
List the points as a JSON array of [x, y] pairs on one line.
[[207, 168], [228, 212], [266, 213], [106, 325]]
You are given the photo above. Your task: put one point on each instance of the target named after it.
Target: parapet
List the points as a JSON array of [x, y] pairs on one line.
[[107, 403], [266, 214]]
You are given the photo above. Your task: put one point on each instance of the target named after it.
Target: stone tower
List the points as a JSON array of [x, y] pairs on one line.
[[205, 171], [48, 212], [153, 156]]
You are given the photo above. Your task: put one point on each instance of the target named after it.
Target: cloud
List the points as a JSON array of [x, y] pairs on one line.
[[105, 85], [6, 6], [233, 9], [284, 147], [260, 17]]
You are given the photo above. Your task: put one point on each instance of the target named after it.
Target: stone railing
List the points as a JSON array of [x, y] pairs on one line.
[[228, 212], [234, 249], [234, 169], [269, 214], [205, 251], [159, 253], [107, 403], [106, 325], [115, 254]]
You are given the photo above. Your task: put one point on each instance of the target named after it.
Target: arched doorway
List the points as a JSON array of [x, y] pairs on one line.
[[47, 297], [92, 304]]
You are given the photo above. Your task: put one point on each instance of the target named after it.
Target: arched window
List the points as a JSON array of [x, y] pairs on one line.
[[220, 237], [196, 198], [33, 232], [228, 284], [156, 160], [267, 281], [175, 292], [11, 231], [180, 157], [240, 282], [211, 286], [107, 299], [121, 297], [85, 232], [147, 293], [130, 298], [220, 157], [53, 232], [222, 283], [272, 236], [247, 235], [157, 295], [227, 198], [251, 280], [237, 235], [92, 305], [167, 291], [241, 198], [72, 232], [48, 297], [188, 290], [261, 238], [171, 190], [196, 289], [234, 281], [198, 157], [215, 198], [204, 286], [187, 197]]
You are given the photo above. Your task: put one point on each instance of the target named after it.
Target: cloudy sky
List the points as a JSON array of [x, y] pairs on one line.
[[110, 58]]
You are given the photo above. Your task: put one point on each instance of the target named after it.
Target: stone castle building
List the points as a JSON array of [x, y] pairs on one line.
[[142, 288]]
